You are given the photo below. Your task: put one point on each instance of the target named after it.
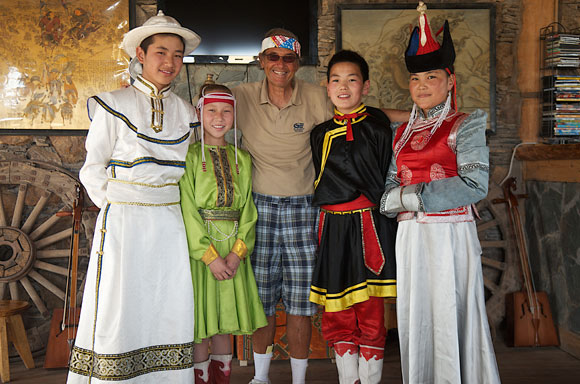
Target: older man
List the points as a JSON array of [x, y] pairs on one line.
[[276, 117]]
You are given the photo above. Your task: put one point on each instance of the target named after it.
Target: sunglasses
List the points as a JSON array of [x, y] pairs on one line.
[[287, 58]]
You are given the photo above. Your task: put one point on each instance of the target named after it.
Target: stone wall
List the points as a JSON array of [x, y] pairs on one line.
[[553, 219], [569, 11]]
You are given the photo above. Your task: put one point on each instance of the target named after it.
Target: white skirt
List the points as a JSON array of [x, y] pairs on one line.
[[442, 323], [137, 319]]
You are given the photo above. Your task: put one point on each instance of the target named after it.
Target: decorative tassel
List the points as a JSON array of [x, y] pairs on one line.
[[236, 137], [444, 113], [454, 89], [414, 114], [202, 143], [349, 136], [413, 118], [423, 34]]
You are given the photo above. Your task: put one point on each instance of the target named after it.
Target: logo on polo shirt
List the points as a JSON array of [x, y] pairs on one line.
[[298, 127]]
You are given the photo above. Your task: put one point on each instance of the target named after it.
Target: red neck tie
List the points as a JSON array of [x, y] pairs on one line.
[[349, 117]]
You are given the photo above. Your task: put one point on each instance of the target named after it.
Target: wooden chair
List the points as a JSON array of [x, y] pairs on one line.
[[12, 330]]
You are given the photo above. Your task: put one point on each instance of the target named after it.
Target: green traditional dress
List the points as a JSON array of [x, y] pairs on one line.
[[220, 218]]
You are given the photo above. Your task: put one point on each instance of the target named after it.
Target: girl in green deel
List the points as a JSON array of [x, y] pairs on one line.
[[220, 218]]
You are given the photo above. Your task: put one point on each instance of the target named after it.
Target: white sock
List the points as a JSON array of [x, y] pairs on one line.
[[298, 370], [262, 366]]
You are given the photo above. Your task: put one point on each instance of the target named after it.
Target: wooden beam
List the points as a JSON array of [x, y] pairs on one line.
[[535, 15], [564, 171], [535, 152]]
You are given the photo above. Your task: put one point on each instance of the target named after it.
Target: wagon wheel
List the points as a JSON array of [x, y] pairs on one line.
[[34, 238], [497, 257]]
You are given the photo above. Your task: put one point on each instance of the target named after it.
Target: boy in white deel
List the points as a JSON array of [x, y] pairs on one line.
[[136, 321]]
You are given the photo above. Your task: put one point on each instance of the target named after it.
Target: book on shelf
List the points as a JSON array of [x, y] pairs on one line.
[[562, 51], [563, 38]]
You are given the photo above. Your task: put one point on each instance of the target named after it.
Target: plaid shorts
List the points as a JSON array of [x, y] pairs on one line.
[[284, 253]]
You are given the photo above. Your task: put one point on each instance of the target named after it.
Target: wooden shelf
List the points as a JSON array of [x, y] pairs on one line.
[[550, 162], [537, 152]]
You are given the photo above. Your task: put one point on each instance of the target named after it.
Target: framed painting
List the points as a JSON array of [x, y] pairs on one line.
[[380, 33], [54, 54]]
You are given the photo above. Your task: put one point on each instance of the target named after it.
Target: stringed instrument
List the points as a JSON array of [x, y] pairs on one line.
[[63, 326], [528, 314]]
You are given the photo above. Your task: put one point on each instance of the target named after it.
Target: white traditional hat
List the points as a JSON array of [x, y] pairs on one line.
[[159, 24]]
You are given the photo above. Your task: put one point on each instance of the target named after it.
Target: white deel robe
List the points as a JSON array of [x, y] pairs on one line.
[[137, 316]]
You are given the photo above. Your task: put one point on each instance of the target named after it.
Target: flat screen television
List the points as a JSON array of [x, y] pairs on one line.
[[232, 30]]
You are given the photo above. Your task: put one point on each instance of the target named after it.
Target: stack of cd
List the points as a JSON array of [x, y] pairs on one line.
[[561, 105], [563, 50]]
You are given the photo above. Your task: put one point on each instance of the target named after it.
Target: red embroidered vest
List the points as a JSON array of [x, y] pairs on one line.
[[422, 158]]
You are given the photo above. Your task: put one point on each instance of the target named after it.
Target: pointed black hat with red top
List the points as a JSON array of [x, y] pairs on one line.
[[424, 53]]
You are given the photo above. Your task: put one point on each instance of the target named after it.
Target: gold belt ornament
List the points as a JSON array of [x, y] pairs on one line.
[[348, 212], [217, 214]]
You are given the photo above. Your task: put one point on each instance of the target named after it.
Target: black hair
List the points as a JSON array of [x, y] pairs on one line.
[[149, 40], [346, 56]]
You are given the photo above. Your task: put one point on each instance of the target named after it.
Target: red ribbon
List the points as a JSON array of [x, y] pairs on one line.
[[349, 117]]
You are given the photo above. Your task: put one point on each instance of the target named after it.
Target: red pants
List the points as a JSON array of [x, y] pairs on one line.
[[361, 324]]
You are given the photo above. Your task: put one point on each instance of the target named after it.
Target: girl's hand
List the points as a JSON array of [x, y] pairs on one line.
[[233, 262], [220, 269]]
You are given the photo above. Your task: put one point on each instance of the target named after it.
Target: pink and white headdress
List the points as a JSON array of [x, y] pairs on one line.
[[217, 97], [280, 41]]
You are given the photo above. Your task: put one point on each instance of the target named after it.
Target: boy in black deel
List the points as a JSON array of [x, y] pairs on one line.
[[355, 267]]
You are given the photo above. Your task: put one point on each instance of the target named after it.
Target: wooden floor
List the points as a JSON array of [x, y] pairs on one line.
[[516, 365]]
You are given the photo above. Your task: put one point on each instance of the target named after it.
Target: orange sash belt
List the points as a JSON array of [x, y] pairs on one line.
[[372, 251]]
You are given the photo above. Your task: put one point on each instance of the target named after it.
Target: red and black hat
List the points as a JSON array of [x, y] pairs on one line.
[[424, 53]]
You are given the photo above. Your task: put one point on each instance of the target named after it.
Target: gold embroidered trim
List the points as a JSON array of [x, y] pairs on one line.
[[361, 109], [156, 97], [223, 176], [218, 214], [132, 127], [359, 293], [358, 286], [143, 204], [348, 212], [157, 114], [376, 235], [97, 284], [152, 90], [210, 255], [240, 249], [124, 366], [328, 137], [144, 184]]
